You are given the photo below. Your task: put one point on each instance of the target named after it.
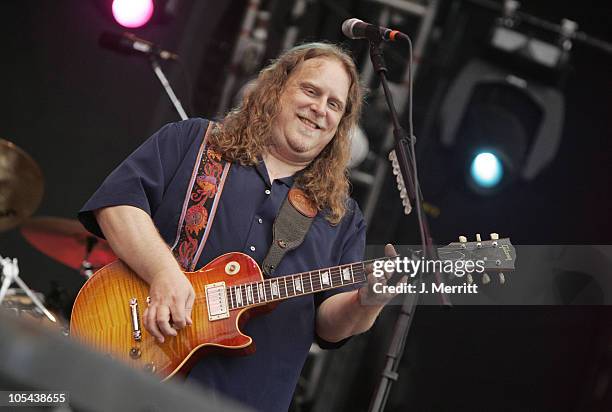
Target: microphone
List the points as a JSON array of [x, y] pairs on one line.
[[358, 29], [130, 44]]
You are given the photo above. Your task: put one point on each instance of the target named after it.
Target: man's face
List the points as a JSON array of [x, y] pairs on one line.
[[311, 107]]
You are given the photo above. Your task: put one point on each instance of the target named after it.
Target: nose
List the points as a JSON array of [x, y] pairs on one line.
[[318, 106]]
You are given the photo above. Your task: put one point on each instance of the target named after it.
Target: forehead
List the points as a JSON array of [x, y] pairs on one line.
[[326, 72]]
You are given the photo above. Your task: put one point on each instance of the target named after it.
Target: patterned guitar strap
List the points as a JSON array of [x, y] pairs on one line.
[[200, 205], [202, 199]]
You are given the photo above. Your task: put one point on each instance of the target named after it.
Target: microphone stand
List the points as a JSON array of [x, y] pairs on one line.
[[166, 85], [407, 164]]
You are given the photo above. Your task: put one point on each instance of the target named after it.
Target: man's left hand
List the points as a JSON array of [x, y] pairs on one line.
[[367, 295]]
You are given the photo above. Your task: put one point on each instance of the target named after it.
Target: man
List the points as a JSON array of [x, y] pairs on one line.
[[291, 128]]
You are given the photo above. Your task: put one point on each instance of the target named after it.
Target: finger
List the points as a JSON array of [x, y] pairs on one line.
[[151, 325], [162, 319], [390, 250], [177, 314], [189, 307]]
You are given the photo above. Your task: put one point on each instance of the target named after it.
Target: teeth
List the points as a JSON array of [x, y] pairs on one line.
[[311, 123]]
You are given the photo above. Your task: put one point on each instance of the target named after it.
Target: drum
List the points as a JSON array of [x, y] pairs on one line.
[[17, 303]]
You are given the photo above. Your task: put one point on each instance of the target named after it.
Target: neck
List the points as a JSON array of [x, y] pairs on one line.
[[278, 167]]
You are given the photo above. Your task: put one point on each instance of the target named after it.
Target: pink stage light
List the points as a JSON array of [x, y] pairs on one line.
[[132, 13]]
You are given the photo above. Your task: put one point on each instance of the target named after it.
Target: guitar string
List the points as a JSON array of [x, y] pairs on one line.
[[267, 283]]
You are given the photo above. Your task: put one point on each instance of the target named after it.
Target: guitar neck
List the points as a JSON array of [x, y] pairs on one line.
[[290, 286], [495, 254]]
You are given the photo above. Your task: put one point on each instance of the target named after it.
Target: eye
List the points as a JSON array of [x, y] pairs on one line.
[[309, 91], [335, 105]]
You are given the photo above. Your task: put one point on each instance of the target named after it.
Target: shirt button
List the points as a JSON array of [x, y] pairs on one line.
[[252, 248], [268, 191], [259, 220]]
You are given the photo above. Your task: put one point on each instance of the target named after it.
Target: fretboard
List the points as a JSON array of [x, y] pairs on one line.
[[300, 284]]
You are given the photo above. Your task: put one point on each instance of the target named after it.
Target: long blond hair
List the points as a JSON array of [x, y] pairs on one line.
[[246, 130]]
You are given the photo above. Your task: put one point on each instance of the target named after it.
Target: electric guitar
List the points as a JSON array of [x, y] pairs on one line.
[[108, 310]]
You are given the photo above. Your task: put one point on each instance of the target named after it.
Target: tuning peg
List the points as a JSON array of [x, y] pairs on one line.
[[502, 278], [485, 278], [470, 279], [462, 239], [494, 236], [478, 239]]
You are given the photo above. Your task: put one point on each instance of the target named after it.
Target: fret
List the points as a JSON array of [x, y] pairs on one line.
[[320, 281], [285, 283], [346, 275], [260, 292], [274, 286], [363, 271], [239, 296], [268, 290], [291, 285], [243, 292], [304, 284], [324, 278], [265, 293], [297, 279], [332, 275], [310, 280], [232, 302], [249, 293], [316, 286]]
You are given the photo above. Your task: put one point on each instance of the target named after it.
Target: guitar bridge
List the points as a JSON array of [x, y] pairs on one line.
[[216, 301]]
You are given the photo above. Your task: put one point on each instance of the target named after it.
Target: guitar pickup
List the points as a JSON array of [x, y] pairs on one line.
[[216, 301]]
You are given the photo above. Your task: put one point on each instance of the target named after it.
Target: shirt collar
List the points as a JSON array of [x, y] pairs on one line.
[[263, 172]]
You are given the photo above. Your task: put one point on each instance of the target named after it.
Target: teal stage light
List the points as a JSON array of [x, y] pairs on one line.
[[486, 170]]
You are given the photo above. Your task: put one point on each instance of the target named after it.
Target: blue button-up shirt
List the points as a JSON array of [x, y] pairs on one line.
[[155, 178]]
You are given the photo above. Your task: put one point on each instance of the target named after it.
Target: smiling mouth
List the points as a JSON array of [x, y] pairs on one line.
[[309, 123]]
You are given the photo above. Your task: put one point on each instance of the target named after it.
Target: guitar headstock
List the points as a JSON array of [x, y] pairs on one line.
[[496, 255]]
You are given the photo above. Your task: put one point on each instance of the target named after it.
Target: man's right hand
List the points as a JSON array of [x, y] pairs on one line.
[[169, 310], [134, 238]]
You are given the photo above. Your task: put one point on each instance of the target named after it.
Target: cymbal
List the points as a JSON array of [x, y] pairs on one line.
[[65, 240], [21, 185]]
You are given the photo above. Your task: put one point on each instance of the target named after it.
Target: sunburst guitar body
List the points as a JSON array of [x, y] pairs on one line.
[[107, 316]]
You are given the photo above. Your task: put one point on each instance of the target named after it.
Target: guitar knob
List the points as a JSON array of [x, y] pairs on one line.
[[485, 278], [150, 367], [494, 236], [135, 353], [478, 237], [462, 239], [502, 278]]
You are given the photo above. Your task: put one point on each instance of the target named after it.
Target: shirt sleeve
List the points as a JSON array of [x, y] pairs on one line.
[[353, 251], [142, 178]]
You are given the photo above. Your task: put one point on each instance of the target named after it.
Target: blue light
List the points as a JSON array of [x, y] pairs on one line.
[[486, 170]]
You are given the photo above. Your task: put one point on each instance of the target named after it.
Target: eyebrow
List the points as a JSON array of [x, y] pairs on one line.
[[318, 89]]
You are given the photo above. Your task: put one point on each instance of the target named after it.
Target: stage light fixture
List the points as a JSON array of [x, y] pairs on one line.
[[132, 13], [486, 170], [516, 120], [503, 114]]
